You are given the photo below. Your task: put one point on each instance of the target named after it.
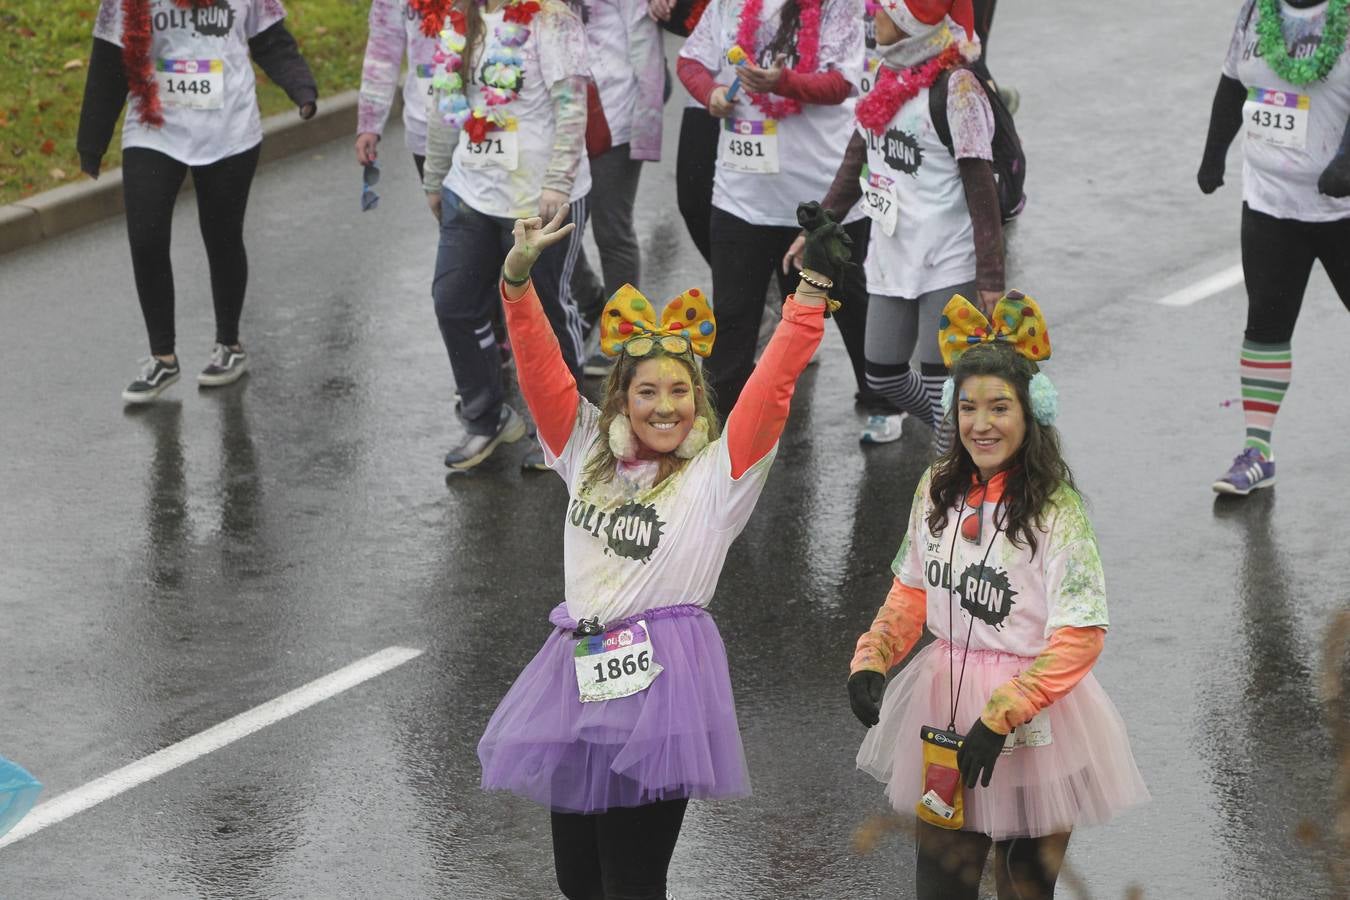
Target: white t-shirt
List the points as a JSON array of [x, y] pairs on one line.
[[196, 53], [554, 51], [627, 549], [933, 243], [610, 25], [1016, 600], [1281, 181], [810, 144], [417, 85]]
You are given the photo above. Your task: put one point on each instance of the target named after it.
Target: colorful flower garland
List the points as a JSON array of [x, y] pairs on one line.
[[808, 51], [1274, 50], [894, 89], [140, 72], [502, 74]]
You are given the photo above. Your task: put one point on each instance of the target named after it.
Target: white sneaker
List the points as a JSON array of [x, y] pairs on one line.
[[882, 429], [225, 367]]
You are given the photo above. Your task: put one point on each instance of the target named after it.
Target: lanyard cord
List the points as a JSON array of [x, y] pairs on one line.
[[955, 690]]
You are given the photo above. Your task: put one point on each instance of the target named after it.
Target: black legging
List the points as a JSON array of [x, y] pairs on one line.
[[1277, 258], [622, 854], [695, 163], [949, 864], [150, 184]]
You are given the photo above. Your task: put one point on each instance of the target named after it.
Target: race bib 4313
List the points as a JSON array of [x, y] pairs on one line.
[[191, 83], [1279, 118]]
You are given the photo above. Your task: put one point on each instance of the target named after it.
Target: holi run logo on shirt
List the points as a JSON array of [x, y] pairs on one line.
[[900, 149], [632, 531], [986, 594], [216, 20]]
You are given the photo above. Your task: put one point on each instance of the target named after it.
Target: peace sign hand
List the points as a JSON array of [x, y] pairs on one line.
[[532, 238]]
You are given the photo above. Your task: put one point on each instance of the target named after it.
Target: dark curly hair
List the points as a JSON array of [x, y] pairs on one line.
[[1037, 469]]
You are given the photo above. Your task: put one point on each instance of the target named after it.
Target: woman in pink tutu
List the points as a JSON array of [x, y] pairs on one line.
[[626, 712], [1001, 563]]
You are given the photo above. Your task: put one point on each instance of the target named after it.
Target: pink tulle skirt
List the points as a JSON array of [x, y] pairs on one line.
[[1084, 776], [676, 739]]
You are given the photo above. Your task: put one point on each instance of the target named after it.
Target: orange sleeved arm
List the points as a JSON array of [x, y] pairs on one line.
[[894, 631], [548, 386], [1069, 656], [756, 423]]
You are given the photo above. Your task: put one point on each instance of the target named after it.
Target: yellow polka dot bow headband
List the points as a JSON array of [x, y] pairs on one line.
[[629, 324], [1017, 321]]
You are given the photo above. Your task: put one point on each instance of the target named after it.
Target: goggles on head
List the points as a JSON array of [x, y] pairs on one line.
[[643, 344]]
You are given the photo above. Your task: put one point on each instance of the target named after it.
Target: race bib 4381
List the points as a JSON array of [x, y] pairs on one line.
[[749, 145]]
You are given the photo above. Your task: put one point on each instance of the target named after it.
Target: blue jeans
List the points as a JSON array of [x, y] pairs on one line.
[[468, 263]]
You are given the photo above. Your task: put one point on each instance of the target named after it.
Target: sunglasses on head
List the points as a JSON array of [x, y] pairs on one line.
[[370, 176], [644, 344]]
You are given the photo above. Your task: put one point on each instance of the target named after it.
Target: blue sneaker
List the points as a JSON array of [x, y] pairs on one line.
[[1250, 471]]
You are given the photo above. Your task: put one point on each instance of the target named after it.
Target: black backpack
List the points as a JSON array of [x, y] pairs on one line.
[[1010, 163]]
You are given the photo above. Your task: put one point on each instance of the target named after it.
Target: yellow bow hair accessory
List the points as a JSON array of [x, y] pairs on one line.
[[1017, 321], [628, 315]]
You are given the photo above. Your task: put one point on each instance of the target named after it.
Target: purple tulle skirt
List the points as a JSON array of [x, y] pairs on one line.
[[676, 739], [1085, 776]]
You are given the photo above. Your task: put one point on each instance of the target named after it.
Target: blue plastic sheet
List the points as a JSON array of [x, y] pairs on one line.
[[18, 792]]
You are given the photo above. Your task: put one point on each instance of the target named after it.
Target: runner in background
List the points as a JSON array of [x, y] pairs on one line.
[[623, 129], [937, 228], [505, 140], [396, 31], [781, 135], [187, 68], [1286, 85]]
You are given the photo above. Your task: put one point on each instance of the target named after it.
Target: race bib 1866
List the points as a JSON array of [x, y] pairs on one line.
[[748, 145], [1279, 118], [615, 664], [879, 199], [191, 83], [499, 149]]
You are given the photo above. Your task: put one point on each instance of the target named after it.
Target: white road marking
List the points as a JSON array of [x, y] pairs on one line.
[[188, 749], [1206, 287]]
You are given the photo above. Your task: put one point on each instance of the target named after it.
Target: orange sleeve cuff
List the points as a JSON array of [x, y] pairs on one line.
[[547, 384], [894, 631], [1069, 656]]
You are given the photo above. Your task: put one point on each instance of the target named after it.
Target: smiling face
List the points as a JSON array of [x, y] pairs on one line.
[[661, 404], [991, 421]]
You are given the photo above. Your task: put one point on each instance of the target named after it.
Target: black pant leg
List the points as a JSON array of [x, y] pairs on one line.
[[576, 856], [1333, 249], [743, 261], [948, 864], [695, 165], [420, 161], [1277, 258], [552, 275], [1027, 868], [636, 844], [150, 184], [222, 199], [851, 317]]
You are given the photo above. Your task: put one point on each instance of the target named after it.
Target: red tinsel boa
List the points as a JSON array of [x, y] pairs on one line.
[[136, 38], [433, 13], [893, 89], [695, 13], [808, 51]]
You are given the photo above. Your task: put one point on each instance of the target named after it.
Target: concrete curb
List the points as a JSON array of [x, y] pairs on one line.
[[72, 206]]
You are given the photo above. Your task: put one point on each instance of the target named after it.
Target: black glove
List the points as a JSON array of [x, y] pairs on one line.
[[828, 246], [1210, 177], [864, 695], [978, 753]]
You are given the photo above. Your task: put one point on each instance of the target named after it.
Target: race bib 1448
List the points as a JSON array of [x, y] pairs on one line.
[[1279, 118], [191, 83], [615, 664]]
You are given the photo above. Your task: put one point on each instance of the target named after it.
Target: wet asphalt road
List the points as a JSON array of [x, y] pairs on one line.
[[162, 570]]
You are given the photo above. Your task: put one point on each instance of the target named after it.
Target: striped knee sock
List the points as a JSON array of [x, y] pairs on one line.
[[1266, 370], [902, 386], [933, 378]]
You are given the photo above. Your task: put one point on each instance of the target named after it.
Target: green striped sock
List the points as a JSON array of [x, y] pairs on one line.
[[1265, 370]]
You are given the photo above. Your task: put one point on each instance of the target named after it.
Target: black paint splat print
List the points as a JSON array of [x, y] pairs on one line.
[[632, 531], [986, 594]]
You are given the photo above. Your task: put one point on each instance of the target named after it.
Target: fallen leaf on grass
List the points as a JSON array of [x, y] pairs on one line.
[[73, 64], [58, 174], [321, 31], [26, 32], [48, 147]]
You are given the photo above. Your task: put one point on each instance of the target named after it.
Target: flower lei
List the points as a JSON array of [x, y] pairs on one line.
[[808, 50], [502, 74], [1271, 45], [136, 39], [894, 89]]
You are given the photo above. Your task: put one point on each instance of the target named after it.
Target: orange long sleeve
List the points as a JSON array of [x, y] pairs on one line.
[[1069, 656], [894, 631], [756, 423], [548, 386]]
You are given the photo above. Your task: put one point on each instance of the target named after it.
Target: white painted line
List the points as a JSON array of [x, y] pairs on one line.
[[188, 749], [1206, 287]]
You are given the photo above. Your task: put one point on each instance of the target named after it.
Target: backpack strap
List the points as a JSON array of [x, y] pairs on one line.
[[937, 107]]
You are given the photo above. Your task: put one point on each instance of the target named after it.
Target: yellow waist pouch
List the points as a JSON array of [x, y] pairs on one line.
[[941, 803]]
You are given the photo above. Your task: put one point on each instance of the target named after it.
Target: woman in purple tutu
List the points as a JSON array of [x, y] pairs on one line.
[[1013, 592], [626, 713]]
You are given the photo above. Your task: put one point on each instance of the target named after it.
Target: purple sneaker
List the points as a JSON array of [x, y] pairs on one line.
[[1250, 471]]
